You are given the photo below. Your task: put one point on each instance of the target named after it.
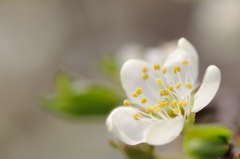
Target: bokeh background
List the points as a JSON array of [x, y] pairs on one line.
[[39, 38]]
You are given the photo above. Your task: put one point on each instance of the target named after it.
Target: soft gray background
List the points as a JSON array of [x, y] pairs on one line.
[[40, 37]]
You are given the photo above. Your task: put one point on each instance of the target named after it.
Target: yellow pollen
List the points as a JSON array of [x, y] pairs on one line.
[[166, 92], [164, 70], [176, 69], [174, 103], [144, 76], [144, 69], [189, 85], [136, 116], [149, 110], [127, 102], [161, 92], [162, 105], [134, 94], [171, 88], [180, 103], [166, 103], [139, 90], [160, 101], [178, 85], [144, 100], [176, 110], [184, 62], [156, 66]]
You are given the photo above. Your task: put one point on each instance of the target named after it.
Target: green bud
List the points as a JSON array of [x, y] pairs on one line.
[[206, 141], [141, 151]]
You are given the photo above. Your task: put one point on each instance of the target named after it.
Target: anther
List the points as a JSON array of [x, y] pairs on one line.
[[127, 102], [156, 66], [184, 62], [174, 103], [171, 88], [164, 70], [149, 109], [178, 85], [139, 90], [144, 76], [136, 116], [144, 100], [189, 85], [180, 103], [161, 92], [134, 94], [166, 92], [144, 69], [176, 110], [176, 69]]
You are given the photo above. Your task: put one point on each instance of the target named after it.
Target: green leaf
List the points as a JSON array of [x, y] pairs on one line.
[[141, 151], [109, 66], [80, 99], [206, 141]]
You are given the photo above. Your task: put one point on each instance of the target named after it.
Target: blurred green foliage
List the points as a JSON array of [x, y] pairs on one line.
[[206, 141], [141, 151], [80, 99], [110, 67]]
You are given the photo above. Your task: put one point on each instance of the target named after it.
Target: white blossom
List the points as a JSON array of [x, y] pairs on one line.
[[161, 97]]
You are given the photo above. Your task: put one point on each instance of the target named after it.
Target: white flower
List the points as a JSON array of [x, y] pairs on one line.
[[161, 98]]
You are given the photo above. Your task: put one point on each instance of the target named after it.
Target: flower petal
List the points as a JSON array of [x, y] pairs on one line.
[[184, 51], [122, 124], [165, 131], [208, 89], [131, 78]]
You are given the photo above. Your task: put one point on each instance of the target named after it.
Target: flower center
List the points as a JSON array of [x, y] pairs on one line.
[[174, 94]]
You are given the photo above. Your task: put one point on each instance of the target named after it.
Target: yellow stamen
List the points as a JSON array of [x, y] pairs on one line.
[[189, 85], [134, 94], [136, 116], [139, 90], [166, 92], [149, 110], [184, 62], [160, 101], [127, 102], [144, 100], [174, 103], [178, 85], [161, 92], [164, 70], [176, 110], [180, 103], [171, 88], [176, 69], [144, 69], [156, 66], [166, 103], [144, 76]]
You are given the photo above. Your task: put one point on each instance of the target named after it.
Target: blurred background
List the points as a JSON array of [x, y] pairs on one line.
[[40, 38]]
